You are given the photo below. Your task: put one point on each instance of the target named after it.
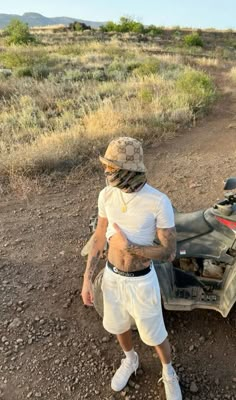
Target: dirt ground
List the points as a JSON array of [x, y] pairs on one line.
[[51, 346]]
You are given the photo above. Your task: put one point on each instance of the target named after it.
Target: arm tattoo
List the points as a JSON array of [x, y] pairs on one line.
[[92, 265], [165, 251]]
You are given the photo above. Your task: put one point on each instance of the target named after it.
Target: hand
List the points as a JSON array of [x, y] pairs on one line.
[[87, 293], [119, 241]]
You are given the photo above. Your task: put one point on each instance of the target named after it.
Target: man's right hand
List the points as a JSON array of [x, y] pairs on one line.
[[87, 293]]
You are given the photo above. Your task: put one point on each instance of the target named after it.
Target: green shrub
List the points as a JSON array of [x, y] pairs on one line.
[[125, 25], [21, 72], [18, 33], [196, 88], [146, 94], [79, 26], [13, 58], [76, 75], [154, 30], [129, 25], [147, 68], [69, 50], [40, 71], [193, 40], [109, 27], [99, 75]]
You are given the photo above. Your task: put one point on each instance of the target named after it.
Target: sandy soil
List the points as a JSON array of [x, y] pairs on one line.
[[51, 346]]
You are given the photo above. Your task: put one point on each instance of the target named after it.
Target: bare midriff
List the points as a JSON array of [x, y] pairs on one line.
[[126, 262]]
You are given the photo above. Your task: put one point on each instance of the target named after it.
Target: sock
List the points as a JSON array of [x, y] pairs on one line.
[[130, 355], [168, 370]]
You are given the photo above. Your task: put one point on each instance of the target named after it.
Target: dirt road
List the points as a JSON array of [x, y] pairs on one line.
[[51, 346]]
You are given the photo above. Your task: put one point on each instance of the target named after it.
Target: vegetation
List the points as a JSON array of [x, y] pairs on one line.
[[79, 26], [193, 40], [233, 74], [129, 25], [18, 33], [74, 92]]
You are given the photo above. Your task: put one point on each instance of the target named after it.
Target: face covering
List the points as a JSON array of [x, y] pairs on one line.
[[127, 181]]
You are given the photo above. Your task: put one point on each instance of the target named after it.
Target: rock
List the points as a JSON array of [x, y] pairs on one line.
[[131, 383], [105, 339], [5, 72], [193, 387], [15, 323], [194, 185]]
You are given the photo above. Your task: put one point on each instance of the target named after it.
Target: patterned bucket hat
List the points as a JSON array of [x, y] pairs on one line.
[[124, 153]]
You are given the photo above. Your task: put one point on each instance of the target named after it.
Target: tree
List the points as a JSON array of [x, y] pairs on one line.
[[79, 26], [18, 33]]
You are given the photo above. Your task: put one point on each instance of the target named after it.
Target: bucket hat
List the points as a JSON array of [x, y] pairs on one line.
[[124, 153]]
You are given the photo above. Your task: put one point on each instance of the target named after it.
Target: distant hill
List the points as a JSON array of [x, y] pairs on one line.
[[35, 19]]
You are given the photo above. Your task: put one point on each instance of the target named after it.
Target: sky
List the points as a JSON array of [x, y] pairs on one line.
[[219, 14]]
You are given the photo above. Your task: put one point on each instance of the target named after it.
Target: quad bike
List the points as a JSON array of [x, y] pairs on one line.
[[203, 274]]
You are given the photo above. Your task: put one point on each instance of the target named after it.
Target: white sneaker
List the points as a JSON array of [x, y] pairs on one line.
[[124, 372], [172, 388]]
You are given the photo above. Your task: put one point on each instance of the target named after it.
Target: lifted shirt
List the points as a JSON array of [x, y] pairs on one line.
[[146, 210]]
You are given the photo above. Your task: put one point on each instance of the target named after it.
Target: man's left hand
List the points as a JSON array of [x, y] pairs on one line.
[[118, 241]]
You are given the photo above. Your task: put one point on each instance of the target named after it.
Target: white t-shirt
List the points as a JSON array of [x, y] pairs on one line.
[[147, 210]]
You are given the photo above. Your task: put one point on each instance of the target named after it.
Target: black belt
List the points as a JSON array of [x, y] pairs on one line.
[[142, 272]]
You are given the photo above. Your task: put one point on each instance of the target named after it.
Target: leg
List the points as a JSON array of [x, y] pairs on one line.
[[129, 365], [125, 340], [169, 377], [164, 352]]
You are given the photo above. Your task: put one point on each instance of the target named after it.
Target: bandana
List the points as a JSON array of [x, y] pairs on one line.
[[127, 181]]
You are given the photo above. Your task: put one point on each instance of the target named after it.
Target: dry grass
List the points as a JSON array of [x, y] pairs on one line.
[[232, 74], [55, 115], [24, 187], [207, 62]]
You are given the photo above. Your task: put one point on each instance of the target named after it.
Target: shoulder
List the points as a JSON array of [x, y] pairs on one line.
[[156, 194], [106, 192]]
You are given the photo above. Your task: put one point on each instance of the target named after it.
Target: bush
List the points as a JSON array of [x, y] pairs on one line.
[[125, 25], [128, 25], [197, 88], [40, 71], [193, 40], [15, 58], [147, 68], [21, 72], [109, 27], [18, 33], [79, 26], [154, 30]]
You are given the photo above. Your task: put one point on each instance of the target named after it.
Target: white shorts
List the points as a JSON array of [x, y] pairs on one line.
[[133, 298]]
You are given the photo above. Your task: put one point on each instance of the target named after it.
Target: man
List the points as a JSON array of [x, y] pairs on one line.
[[131, 213]]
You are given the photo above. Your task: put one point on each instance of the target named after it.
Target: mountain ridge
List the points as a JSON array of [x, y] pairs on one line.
[[36, 19]]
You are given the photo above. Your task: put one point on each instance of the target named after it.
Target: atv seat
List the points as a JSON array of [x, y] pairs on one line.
[[190, 225]]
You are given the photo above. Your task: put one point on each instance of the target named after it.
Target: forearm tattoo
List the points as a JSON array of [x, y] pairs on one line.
[[163, 252], [92, 266]]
